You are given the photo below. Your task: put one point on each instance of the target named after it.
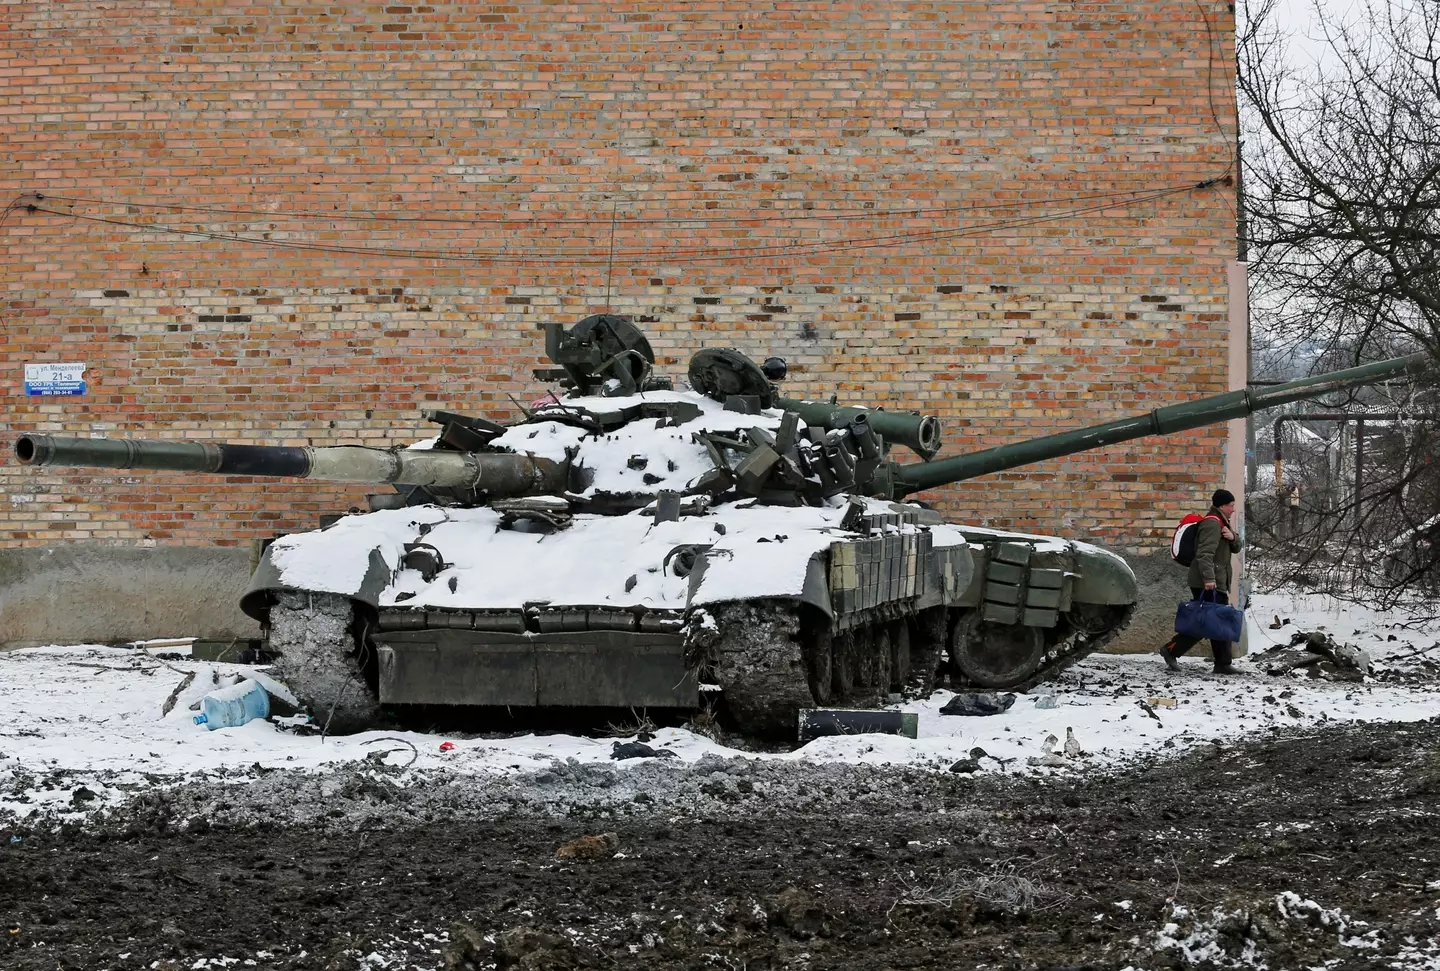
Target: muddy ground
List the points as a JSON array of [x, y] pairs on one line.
[[1295, 851]]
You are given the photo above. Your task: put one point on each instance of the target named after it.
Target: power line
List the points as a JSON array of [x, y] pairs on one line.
[[711, 254], [649, 257], [1210, 45], [770, 215]]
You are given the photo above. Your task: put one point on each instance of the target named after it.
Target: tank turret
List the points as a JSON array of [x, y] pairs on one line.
[[866, 434], [624, 543]]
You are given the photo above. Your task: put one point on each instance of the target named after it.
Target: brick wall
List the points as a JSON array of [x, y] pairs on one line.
[[941, 206]]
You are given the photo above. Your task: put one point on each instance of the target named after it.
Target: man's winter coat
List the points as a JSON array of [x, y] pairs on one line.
[[1213, 552]]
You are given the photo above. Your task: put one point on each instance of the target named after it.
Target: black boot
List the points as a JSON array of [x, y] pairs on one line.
[[1168, 653], [1221, 651]]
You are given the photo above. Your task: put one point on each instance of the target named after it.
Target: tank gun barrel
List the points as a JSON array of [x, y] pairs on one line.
[[920, 433], [907, 479], [496, 473]]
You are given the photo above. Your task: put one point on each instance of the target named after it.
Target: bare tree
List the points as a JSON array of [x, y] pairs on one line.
[[1342, 226]]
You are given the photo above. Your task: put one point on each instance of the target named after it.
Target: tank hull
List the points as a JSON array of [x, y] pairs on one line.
[[769, 610]]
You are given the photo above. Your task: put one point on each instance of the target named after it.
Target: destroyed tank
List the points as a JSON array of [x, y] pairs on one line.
[[629, 545]]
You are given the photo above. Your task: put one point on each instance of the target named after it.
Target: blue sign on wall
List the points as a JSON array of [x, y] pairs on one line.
[[54, 379]]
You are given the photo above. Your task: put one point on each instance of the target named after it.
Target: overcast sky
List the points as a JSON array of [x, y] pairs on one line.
[[1298, 17]]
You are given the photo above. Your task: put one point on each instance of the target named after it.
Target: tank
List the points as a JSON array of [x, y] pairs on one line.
[[628, 544]]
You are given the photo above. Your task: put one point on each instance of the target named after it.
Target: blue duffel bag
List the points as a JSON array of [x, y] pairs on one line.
[[1209, 618]]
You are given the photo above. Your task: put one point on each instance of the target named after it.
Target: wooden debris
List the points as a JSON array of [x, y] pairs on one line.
[[175, 695]]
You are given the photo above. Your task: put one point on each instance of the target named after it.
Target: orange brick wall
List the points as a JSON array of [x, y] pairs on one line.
[[951, 207]]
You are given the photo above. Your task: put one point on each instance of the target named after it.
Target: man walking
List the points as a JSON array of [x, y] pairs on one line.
[[1210, 574]]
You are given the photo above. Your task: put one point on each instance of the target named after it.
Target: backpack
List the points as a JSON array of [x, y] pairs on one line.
[[1182, 544]]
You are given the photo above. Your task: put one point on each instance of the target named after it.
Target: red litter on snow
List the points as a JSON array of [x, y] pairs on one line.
[[447, 746]]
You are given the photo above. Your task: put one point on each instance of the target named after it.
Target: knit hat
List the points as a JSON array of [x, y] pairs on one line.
[[1222, 497]]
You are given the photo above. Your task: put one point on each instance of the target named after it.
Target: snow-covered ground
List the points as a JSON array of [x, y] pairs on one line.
[[83, 726]]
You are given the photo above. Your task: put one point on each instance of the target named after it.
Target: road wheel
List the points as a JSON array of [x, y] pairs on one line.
[[842, 666], [997, 655], [899, 655], [880, 660], [819, 664], [864, 641]]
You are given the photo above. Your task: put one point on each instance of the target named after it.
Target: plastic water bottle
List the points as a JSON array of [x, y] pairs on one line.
[[1047, 699], [233, 706]]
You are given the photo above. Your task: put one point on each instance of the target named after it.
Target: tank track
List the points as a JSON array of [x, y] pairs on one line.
[[759, 661], [319, 662], [760, 666]]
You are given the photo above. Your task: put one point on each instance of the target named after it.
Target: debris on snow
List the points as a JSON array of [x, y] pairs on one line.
[[1319, 652], [639, 750], [979, 703]]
